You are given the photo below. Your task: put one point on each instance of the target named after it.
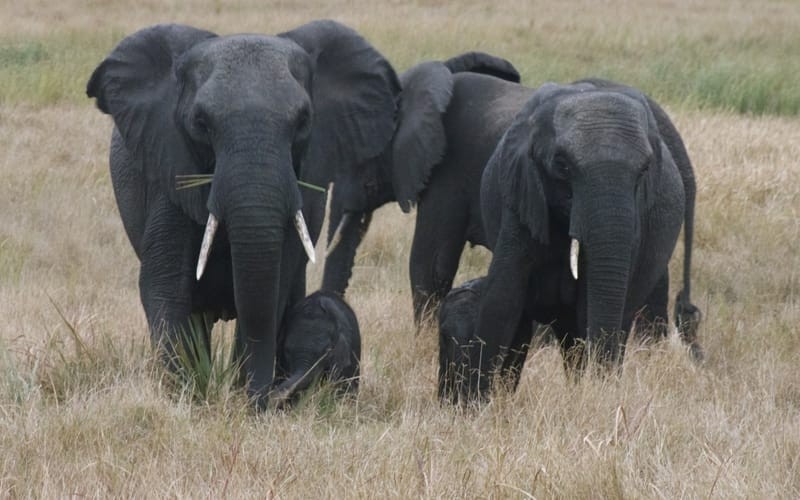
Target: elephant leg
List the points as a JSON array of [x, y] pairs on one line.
[[651, 322], [166, 283], [502, 304], [573, 346], [439, 238], [516, 354]]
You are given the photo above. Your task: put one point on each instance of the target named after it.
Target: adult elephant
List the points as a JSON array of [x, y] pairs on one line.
[[451, 116], [583, 200], [258, 112]]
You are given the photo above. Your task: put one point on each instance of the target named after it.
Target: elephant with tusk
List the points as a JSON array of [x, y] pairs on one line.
[[258, 112]]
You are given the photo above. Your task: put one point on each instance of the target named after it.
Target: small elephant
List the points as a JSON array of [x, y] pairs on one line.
[[582, 201], [258, 113], [321, 341], [458, 316], [451, 116]]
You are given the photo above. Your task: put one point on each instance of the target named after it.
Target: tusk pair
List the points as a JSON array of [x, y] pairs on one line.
[[211, 230], [574, 250], [337, 235]]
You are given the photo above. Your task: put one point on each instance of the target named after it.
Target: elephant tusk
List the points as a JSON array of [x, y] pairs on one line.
[[574, 250], [337, 235], [205, 248], [302, 230]]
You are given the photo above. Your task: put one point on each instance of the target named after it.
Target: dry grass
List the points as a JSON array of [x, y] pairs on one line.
[[84, 411]]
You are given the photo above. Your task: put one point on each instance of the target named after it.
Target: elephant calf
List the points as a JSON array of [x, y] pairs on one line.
[[458, 315], [321, 341]]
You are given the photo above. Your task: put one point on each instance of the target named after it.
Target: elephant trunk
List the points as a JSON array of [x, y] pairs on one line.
[[302, 374], [607, 250], [255, 196]]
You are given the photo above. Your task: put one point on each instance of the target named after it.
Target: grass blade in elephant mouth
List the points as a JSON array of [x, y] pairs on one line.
[[192, 180], [196, 180]]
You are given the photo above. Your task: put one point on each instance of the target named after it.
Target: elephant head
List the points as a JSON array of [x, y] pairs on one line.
[[258, 112], [578, 164], [321, 339], [402, 172]]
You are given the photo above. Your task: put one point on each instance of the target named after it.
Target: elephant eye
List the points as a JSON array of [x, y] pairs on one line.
[[200, 123], [645, 167], [561, 167]]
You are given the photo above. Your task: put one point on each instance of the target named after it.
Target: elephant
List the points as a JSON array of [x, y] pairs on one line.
[[448, 124], [457, 319], [321, 341], [258, 113], [582, 201]]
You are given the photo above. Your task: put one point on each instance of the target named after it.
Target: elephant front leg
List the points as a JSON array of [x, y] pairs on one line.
[[501, 309], [514, 357], [166, 283]]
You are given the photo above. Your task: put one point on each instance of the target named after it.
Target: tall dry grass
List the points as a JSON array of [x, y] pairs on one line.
[[84, 410]]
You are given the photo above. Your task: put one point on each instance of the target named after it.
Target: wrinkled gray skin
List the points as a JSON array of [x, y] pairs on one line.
[[601, 163], [259, 112], [448, 126], [321, 342]]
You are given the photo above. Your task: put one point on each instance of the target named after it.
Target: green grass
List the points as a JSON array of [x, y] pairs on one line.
[[705, 60]]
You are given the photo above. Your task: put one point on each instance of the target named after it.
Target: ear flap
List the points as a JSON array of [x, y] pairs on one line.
[[354, 90], [420, 142], [519, 177], [136, 85], [481, 62]]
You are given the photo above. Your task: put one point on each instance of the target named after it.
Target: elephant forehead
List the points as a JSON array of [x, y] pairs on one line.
[[602, 126], [236, 54]]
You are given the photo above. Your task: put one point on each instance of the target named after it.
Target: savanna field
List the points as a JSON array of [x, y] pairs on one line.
[[86, 411]]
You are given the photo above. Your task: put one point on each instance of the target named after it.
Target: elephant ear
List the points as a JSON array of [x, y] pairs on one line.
[[354, 92], [481, 62], [420, 141], [519, 176], [137, 86]]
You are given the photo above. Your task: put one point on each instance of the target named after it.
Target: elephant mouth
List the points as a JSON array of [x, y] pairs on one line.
[[213, 224]]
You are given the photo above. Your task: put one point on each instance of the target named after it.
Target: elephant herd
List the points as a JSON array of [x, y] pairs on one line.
[[579, 190]]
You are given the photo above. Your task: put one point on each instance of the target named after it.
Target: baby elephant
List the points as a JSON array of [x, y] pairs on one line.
[[321, 341], [458, 314]]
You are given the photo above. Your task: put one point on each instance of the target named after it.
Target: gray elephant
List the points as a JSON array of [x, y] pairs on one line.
[[321, 341], [258, 112], [458, 314], [450, 118], [582, 201]]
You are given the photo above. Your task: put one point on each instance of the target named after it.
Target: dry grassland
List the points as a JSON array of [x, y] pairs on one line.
[[85, 412]]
